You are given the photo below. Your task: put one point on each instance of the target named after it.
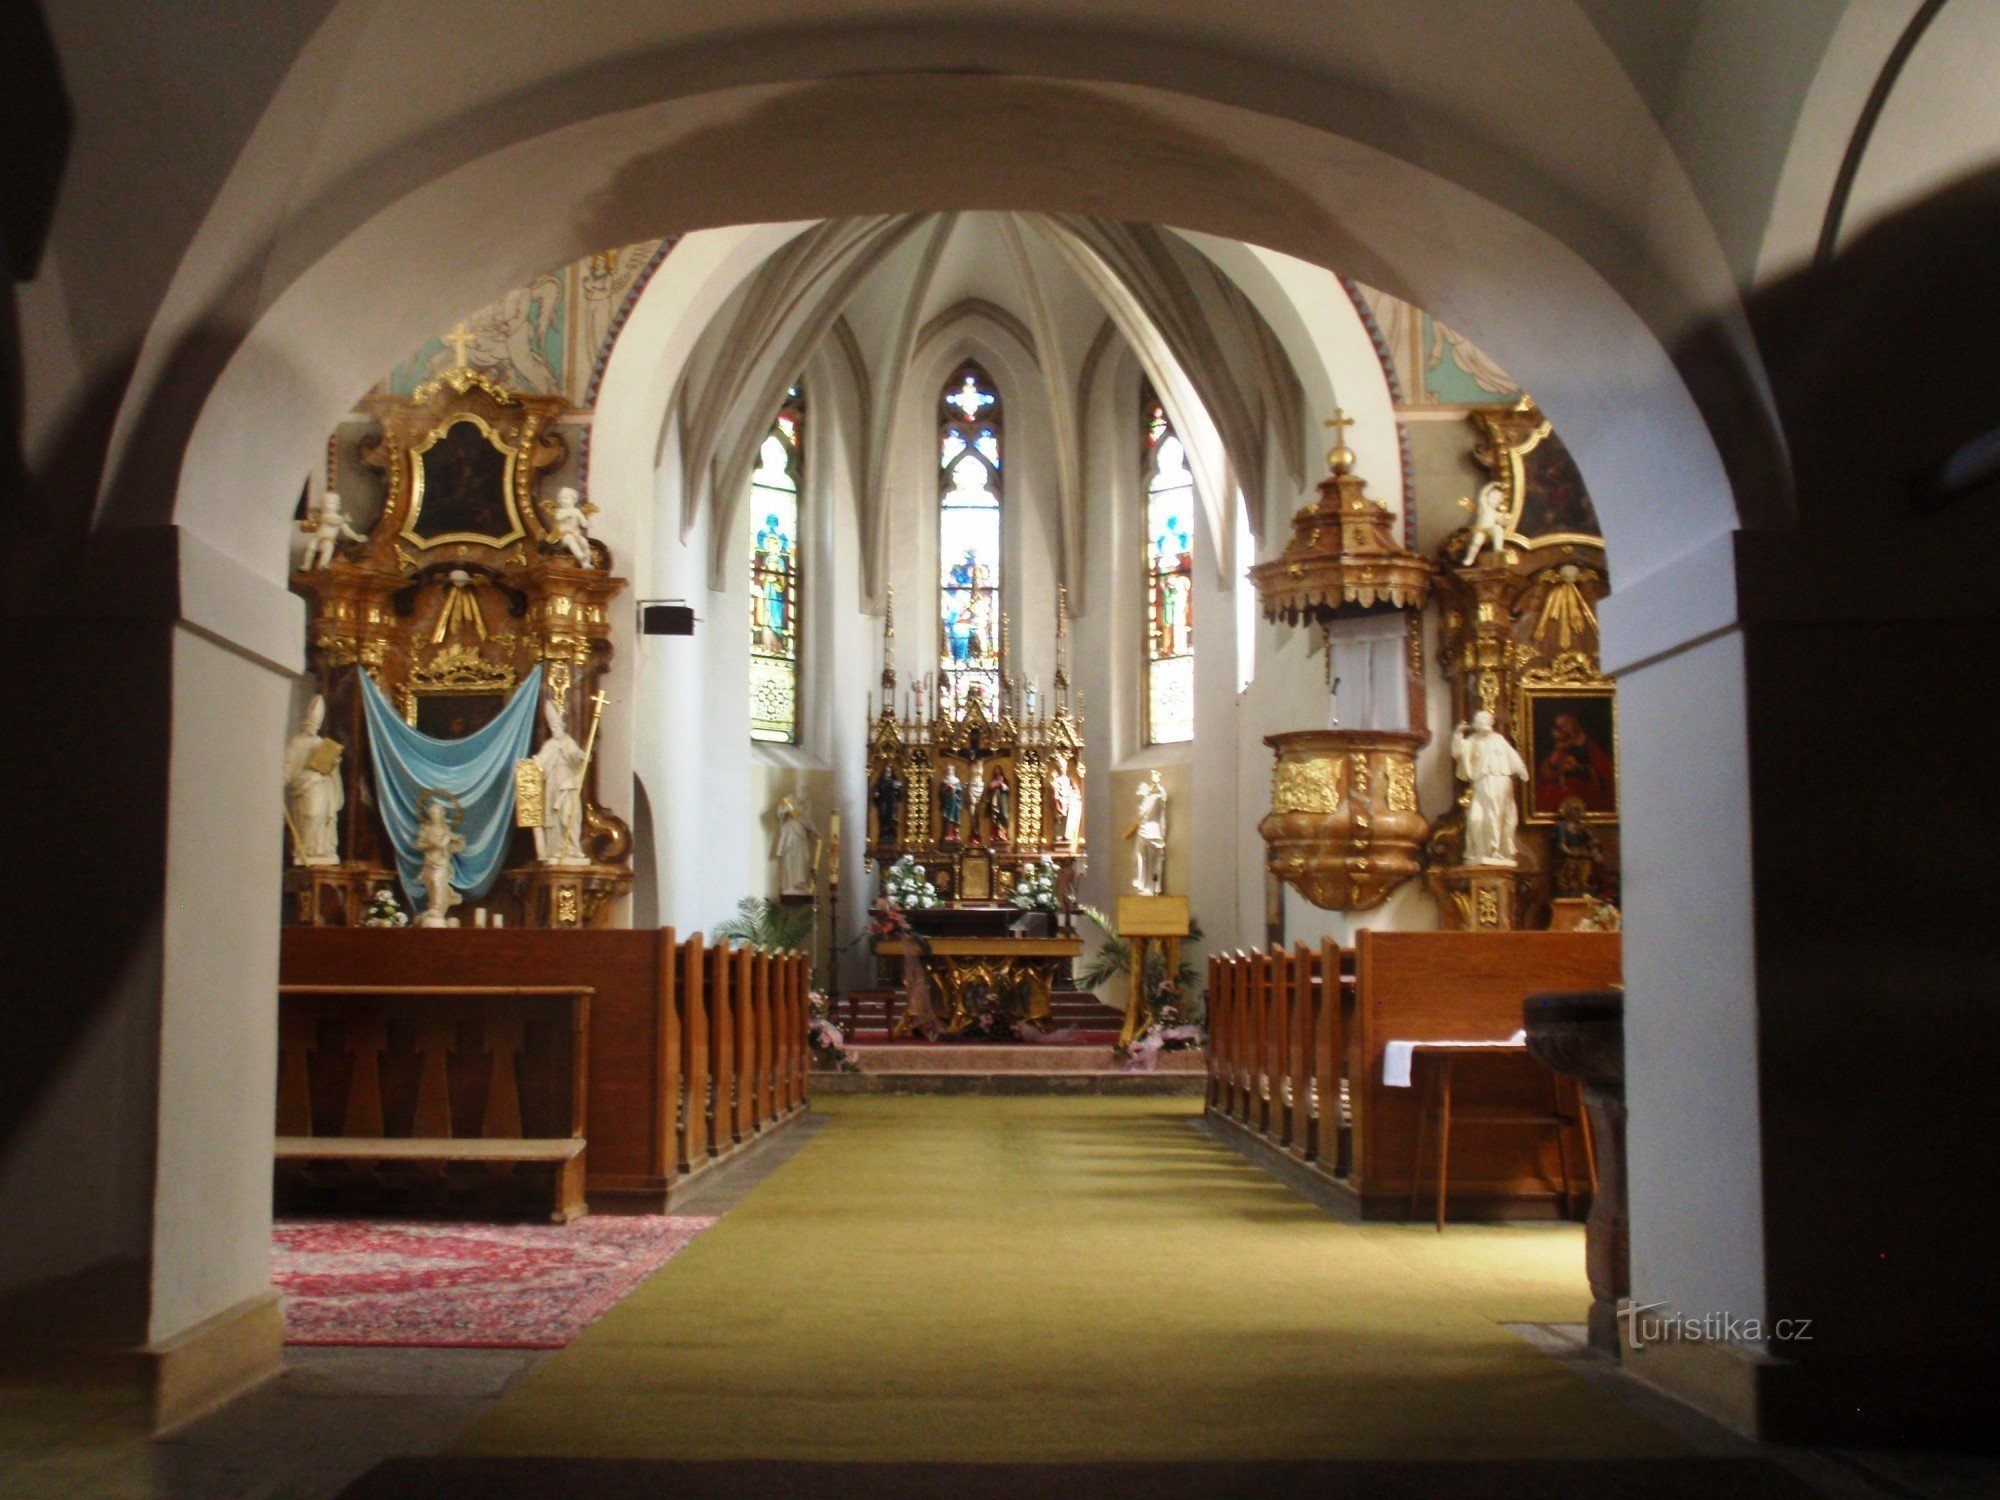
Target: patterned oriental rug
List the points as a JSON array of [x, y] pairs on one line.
[[464, 1286]]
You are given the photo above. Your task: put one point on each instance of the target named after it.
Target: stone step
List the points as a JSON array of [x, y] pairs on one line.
[[1001, 1068]]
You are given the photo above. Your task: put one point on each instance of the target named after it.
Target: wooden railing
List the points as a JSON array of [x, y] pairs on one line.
[[685, 1054], [1277, 1028]]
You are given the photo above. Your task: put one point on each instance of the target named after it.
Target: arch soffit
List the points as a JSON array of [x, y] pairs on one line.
[[1536, 303]]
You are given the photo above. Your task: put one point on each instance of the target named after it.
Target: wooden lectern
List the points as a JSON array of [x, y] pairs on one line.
[[1143, 920]]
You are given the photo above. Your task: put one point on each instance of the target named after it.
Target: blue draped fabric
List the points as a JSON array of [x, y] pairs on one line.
[[478, 770]]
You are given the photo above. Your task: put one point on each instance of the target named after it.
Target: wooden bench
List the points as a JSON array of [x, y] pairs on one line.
[[436, 1015]]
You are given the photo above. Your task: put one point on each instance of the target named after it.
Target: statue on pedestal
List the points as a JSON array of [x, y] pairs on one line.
[[794, 850], [1149, 855], [559, 834], [887, 795], [329, 528], [1000, 808], [951, 804], [1488, 764], [1576, 850], [1067, 797], [437, 839], [314, 794], [569, 527], [1489, 523]]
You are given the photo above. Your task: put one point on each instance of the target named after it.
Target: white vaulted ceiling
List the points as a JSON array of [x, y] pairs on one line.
[[888, 288]]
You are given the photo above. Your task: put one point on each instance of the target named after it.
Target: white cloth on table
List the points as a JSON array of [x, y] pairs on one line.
[[1396, 1056]]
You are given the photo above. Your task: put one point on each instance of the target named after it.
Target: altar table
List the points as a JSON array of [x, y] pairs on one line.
[[1026, 968]]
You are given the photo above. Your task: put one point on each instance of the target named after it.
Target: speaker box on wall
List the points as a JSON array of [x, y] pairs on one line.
[[666, 619]]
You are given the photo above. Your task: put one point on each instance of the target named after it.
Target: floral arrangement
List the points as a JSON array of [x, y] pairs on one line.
[[829, 1047], [1035, 887], [905, 884], [383, 910]]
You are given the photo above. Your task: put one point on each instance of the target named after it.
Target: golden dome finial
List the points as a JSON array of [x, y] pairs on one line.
[[1340, 458]]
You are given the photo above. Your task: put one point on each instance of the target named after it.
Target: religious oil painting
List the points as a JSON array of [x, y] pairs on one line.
[[1570, 742], [452, 716], [460, 489], [1554, 504]]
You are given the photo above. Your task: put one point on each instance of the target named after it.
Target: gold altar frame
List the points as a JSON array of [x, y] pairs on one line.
[[517, 530], [1506, 436]]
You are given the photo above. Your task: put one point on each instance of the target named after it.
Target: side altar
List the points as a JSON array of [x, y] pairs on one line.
[[975, 826], [459, 635]]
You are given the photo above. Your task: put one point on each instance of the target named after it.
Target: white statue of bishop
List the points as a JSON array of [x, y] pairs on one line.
[[570, 527], [437, 840], [1488, 764], [1149, 852], [1489, 523], [329, 527], [559, 836], [314, 795], [794, 851]]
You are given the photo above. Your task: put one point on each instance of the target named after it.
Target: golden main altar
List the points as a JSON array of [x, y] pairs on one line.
[[977, 808]]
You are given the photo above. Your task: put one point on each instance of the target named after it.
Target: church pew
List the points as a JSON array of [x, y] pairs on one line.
[[673, 1037], [1463, 986], [366, 1078], [1294, 1027], [1275, 1044]]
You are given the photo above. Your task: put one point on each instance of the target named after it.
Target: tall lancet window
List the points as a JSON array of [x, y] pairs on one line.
[[776, 575], [1169, 577], [969, 535]]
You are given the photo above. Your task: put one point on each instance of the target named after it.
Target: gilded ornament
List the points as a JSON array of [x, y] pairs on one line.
[[1402, 789], [1309, 786]]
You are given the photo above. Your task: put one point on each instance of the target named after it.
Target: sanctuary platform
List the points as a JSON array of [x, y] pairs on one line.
[[1052, 1067]]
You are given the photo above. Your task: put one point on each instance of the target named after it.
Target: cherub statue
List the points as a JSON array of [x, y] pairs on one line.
[[1489, 523], [569, 527], [328, 526]]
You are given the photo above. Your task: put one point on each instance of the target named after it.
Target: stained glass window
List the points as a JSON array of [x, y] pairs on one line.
[[1169, 502], [775, 576], [969, 535]]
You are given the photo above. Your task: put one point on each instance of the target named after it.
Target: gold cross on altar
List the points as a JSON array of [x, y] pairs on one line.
[[458, 338], [1340, 421]]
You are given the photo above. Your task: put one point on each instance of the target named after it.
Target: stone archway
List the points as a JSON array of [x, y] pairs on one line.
[[710, 161]]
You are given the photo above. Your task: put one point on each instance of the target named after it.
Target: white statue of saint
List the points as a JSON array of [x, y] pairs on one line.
[[570, 527], [1068, 799], [329, 527], [975, 792], [1488, 764], [559, 836], [794, 850], [1489, 523], [437, 840], [314, 795], [1149, 853]]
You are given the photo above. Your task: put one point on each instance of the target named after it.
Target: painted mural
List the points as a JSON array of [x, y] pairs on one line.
[[1436, 365], [545, 337]]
